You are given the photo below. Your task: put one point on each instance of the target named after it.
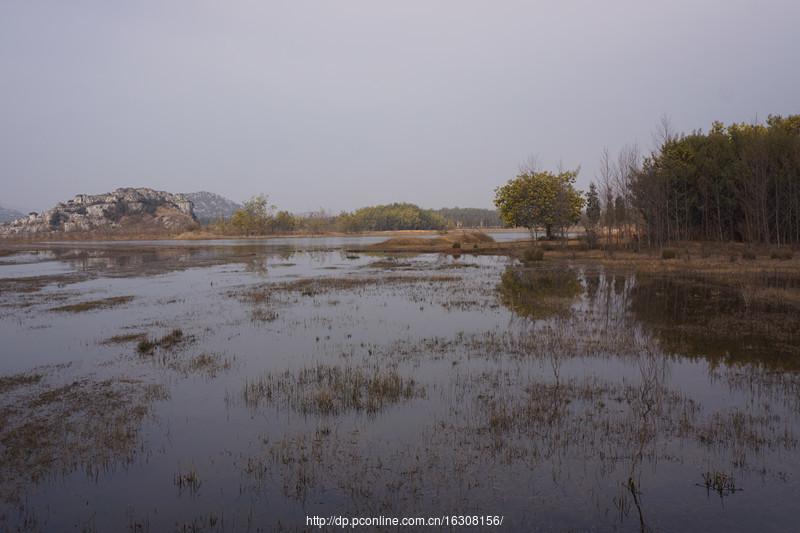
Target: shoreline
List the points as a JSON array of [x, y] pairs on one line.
[[208, 236]]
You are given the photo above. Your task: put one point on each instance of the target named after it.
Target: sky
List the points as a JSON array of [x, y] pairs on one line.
[[338, 104]]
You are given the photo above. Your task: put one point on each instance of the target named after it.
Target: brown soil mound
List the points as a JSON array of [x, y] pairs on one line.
[[464, 237]]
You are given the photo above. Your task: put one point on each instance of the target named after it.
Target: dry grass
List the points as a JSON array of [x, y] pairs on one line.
[[37, 283], [124, 338], [188, 481], [453, 242], [261, 294], [93, 305], [208, 365], [332, 390], [86, 424], [8, 383], [169, 341]]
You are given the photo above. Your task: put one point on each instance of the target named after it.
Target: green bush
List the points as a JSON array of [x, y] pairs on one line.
[[668, 253]]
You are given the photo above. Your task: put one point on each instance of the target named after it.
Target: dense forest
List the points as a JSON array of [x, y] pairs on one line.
[[734, 183], [397, 216], [404, 216]]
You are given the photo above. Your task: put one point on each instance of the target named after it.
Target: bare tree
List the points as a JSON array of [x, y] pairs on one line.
[[531, 165], [627, 165], [605, 179]]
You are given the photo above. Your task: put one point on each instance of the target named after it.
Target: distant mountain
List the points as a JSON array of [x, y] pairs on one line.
[[122, 212], [7, 215], [209, 206]]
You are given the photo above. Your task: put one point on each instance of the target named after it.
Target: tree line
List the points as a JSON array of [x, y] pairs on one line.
[[258, 217], [739, 182]]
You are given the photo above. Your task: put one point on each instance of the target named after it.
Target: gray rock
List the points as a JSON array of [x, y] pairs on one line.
[[125, 210]]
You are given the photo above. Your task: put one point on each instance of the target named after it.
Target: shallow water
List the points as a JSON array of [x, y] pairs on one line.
[[562, 397]]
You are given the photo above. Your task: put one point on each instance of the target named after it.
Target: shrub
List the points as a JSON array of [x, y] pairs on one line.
[[145, 346], [457, 245], [750, 255], [533, 254], [668, 253]]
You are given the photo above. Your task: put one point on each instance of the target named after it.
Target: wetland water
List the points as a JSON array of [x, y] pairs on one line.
[[232, 386]]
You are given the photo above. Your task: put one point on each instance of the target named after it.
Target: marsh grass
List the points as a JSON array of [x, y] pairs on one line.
[[331, 390], [36, 283], [188, 481], [86, 424], [722, 483], [93, 305], [392, 263], [316, 286], [124, 338], [8, 383], [259, 314], [168, 342], [205, 364]]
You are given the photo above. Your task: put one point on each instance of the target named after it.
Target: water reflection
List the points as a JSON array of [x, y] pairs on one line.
[[327, 383], [539, 293], [689, 315], [700, 317]]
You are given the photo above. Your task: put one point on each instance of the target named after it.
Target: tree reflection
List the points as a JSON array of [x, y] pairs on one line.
[[539, 294]]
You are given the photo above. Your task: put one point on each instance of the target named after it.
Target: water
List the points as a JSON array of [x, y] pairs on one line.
[[309, 380]]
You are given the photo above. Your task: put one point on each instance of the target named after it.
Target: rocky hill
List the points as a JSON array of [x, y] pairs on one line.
[[122, 212], [7, 215], [209, 206]]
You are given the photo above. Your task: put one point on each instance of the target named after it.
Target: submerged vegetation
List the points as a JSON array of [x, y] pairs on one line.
[[94, 305], [174, 338], [331, 390], [85, 424]]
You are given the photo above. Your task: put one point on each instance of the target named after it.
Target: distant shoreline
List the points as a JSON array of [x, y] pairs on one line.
[[201, 235]]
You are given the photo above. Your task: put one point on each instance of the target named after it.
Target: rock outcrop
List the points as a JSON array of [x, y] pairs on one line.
[[209, 206], [125, 211]]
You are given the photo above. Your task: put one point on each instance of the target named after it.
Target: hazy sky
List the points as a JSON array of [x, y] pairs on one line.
[[343, 103]]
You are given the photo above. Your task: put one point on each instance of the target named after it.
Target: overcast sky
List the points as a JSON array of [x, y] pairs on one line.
[[339, 104]]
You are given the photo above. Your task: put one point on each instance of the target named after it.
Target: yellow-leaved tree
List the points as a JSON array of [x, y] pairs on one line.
[[540, 200]]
